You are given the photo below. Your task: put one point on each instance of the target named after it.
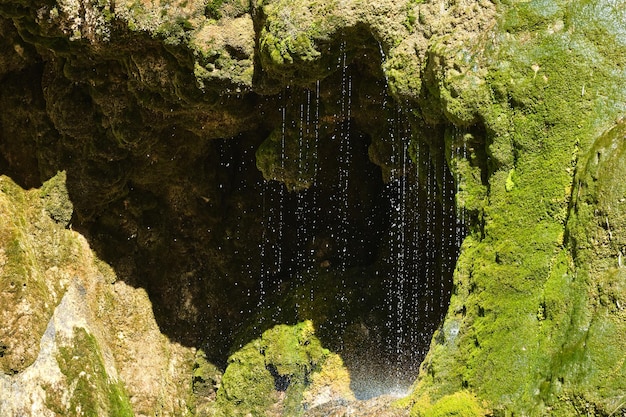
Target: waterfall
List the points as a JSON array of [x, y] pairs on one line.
[[273, 218], [342, 197], [344, 154], [313, 230], [426, 231], [401, 276]]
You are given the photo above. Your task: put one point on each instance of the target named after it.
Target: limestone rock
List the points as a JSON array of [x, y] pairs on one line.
[[73, 338]]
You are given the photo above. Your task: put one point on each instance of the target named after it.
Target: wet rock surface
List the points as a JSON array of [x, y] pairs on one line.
[[382, 406]]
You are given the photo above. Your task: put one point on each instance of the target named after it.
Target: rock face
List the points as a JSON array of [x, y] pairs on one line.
[[211, 224], [73, 337]]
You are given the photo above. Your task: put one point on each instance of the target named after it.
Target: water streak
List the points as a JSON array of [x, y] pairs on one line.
[[425, 227]]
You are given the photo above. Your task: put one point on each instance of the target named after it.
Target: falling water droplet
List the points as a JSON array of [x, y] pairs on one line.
[[316, 136], [344, 154], [263, 246]]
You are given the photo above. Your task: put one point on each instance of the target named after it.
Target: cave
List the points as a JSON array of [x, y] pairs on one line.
[[298, 207], [329, 206]]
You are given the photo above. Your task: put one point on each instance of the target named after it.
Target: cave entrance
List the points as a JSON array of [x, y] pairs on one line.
[[334, 206], [365, 250]]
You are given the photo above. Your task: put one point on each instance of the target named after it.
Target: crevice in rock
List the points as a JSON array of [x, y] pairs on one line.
[[281, 382]]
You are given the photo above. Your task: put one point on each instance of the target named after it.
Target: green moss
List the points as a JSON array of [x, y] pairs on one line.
[[403, 74], [521, 298], [461, 404], [533, 15], [93, 392], [462, 95], [510, 182], [206, 376], [174, 32], [206, 379], [285, 51], [289, 155], [212, 9], [285, 359], [588, 371], [247, 385], [411, 14], [294, 36]]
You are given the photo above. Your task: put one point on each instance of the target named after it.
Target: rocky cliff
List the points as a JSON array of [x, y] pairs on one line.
[[206, 207]]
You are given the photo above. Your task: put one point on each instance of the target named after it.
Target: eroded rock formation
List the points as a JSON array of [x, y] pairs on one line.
[[179, 141]]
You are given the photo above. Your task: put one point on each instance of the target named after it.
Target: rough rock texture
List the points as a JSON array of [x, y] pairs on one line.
[[236, 166], [75, 341], [526, 329]]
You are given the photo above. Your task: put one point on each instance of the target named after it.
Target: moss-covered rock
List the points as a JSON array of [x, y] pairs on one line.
[[283, 372], [37, 261], [247, 385], [462, 404], [57, 201], [517, 283], [224, 52], [76, 340], [588, 372], [289, 155], [160, 113], [206, 381]]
